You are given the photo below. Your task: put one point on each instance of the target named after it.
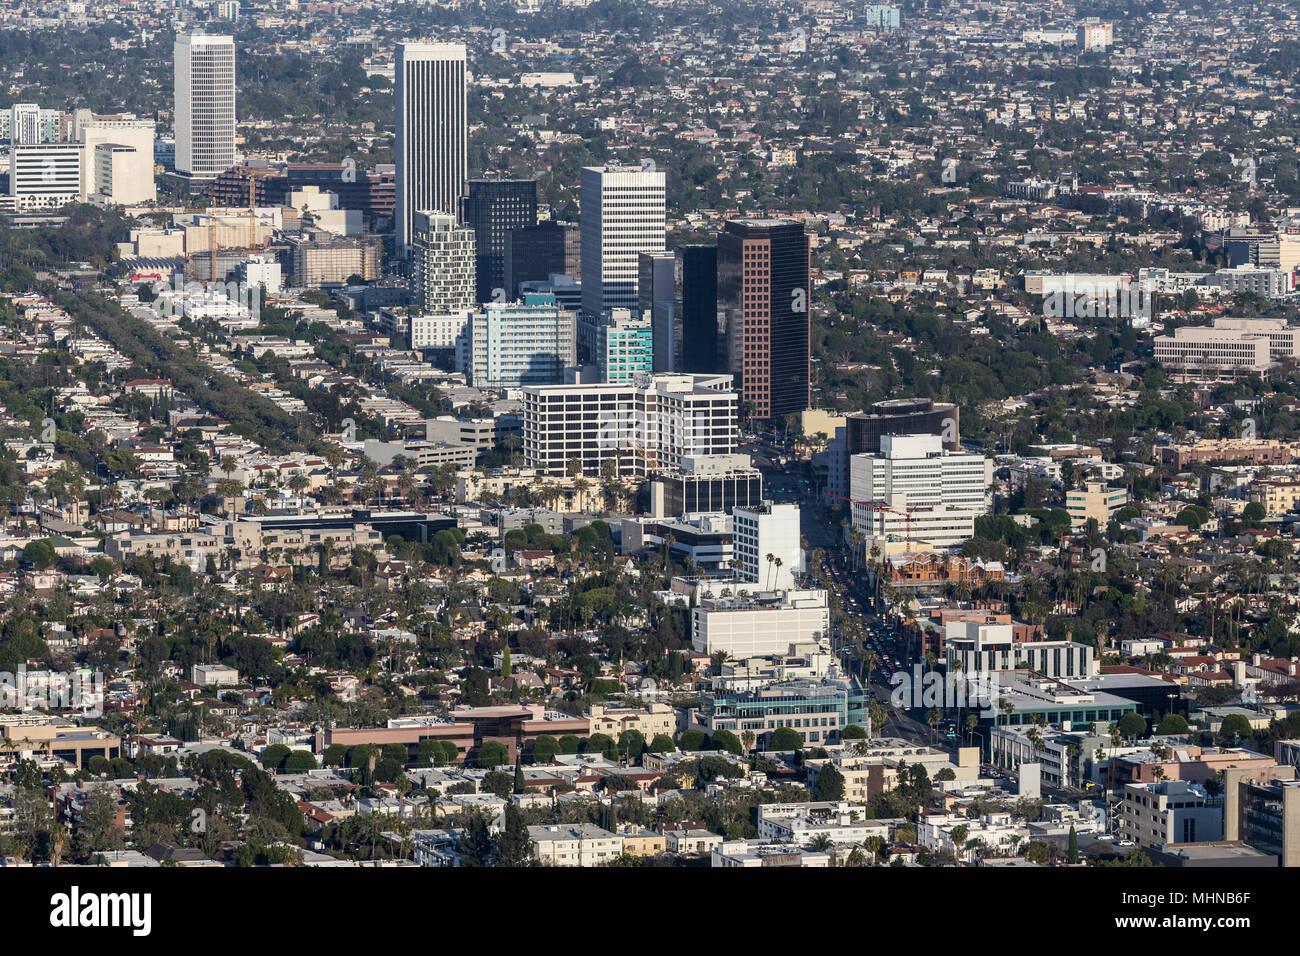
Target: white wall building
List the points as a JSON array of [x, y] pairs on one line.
[[25, 124], [997, 831], [581, 844], [205, 105], [521, 343], [438, 330], [770, 529], [973, 646], [432, 133], [943, 492], [745, 627], [1169, 812], [1266, 283], [262, 271], [46, 175], [443, 271], [754, 853], [647, 425], [623, 214], [119, 160], [840, 822]]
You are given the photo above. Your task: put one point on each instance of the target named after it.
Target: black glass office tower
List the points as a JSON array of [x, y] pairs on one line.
[[493, 208], [700, 309], [535, 253]]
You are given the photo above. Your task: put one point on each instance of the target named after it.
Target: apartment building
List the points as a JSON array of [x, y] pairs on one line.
[[973, 647], [433, 330], [322, 258], [29, 734], [1212, 451], [579, 844], [1265, 283], [840, 822], [442, 263], [513, 344], [754, 853], [648, 720], [1277, 495]]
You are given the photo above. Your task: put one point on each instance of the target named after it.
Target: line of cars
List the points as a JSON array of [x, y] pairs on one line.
[[880, 636]]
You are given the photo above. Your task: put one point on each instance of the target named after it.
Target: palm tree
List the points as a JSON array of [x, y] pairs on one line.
[[580, 485], [770, 558]]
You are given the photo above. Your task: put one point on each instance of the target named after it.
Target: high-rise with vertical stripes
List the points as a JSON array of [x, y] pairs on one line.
[[205, 105], [622, 211], [432, 133]]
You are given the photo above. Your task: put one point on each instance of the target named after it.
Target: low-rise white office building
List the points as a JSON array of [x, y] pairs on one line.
[[762, 624]]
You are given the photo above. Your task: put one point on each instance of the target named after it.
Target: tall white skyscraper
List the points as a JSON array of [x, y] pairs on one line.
[[622, 215], [432, 132], [205, 105]]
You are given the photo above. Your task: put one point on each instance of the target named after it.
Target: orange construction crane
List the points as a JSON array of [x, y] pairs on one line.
[[212, 246], [880, 506], [641, 452]]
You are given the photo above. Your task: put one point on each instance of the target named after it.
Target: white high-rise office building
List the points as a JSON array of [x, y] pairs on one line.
[[622, 212], [432, 132], [118, 166], [769, 529], [205, 105], [644, 426], [922, 491], [46, 175]]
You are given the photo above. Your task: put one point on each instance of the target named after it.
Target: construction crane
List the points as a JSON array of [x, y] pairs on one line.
[[252, 210], [641, 453], [212, 227], [880, 506]]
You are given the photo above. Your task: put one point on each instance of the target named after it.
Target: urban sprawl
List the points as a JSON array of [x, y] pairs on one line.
[[683, 433]]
